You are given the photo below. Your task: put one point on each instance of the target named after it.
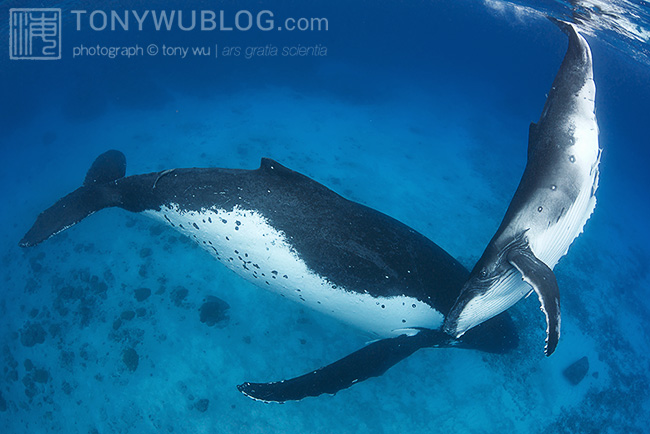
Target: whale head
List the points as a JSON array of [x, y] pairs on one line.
[[493, 286]]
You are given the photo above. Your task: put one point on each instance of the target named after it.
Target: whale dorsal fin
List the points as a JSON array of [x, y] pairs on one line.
[[108, 167], [537, 274], [270, 165]]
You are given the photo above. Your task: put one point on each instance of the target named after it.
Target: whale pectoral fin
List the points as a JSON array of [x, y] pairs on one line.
[[537, 274], [371, 361]]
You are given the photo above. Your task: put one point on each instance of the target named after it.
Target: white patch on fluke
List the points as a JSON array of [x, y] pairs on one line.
[[245, 242]]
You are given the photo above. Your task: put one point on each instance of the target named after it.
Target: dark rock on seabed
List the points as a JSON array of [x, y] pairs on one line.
[[142, 294], [576, 372], [214, 311], [127, 315]]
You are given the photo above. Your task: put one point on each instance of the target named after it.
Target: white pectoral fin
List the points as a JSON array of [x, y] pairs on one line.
[[538, 275]]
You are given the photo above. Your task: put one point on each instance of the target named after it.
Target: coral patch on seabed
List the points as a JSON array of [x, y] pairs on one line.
[[202, 405], [214, 311], [32, 334], [178, 295], [131, 359]]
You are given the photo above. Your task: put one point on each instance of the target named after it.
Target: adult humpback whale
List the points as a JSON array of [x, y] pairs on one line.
[[290, 234], [554, 200]]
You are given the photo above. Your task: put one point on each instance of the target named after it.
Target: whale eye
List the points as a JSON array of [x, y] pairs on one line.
[[540, 209], [483, 273], [572, 159], [553, 187]]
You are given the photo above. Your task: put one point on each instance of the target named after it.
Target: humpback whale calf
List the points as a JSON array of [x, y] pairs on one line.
[[285, 232], [554, 200]]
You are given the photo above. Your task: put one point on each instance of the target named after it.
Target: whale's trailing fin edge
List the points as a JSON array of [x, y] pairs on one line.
[[97, 193], [537, 274], [373, 360]]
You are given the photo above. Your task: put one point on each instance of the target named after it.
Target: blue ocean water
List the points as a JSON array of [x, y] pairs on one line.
[[418, 109]]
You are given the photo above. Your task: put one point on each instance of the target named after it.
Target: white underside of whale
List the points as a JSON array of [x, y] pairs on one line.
[[550, 244], [245, 242]]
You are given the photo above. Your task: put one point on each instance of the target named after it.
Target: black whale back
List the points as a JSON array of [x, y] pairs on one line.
[[351, 245]]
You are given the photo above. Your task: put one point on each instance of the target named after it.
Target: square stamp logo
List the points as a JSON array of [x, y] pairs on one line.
[[35, 33]]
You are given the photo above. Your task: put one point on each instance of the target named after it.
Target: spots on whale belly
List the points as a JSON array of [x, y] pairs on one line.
[[168, 221], [245, 242]]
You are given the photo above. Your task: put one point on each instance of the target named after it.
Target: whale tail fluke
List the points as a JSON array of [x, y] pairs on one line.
[[565, 26], [97, 192]]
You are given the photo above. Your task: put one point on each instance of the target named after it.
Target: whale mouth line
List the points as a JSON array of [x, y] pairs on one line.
[[473, 307]]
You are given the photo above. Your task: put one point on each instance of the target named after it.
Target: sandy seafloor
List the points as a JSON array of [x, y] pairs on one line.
[[441, 160]]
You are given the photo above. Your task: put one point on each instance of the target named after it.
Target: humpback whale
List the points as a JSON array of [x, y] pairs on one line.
[[287, 233], [554, 200]]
